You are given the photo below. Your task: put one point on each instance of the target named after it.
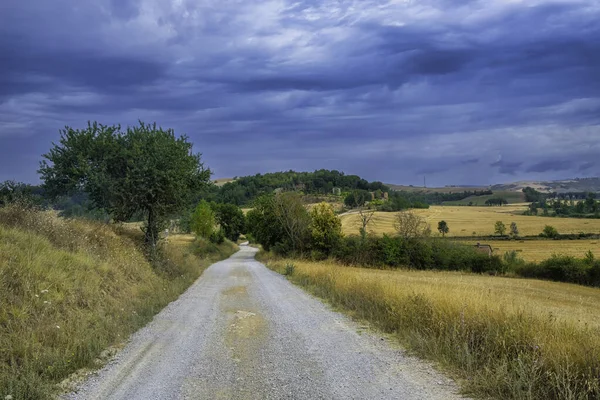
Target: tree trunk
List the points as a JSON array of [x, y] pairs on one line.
[[151, 229]]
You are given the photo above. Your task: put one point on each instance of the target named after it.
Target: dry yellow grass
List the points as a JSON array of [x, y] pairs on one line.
[[506, 338], [479, 221], [538, 250], [71, 288]]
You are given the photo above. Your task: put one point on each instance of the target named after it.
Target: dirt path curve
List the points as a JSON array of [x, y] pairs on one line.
[[244, 332]]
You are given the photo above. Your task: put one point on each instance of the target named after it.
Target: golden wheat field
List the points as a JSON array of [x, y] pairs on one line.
[[538, 250], [476, 221], [563, 301], [505, 338]]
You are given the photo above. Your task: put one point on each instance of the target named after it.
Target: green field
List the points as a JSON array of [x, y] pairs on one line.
[[511, 198]]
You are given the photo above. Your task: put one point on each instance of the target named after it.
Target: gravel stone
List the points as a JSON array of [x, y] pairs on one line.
[[244, 332]]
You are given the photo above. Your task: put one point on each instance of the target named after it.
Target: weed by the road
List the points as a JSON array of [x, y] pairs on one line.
[[289, 269]]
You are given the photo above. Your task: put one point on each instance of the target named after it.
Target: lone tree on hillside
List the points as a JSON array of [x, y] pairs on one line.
[[365, 215], [514, 231], [142, 169], [499, 228], [410, 225], [549, 232], [443, 228]]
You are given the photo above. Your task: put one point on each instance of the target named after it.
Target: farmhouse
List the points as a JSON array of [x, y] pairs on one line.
[[484, 248]]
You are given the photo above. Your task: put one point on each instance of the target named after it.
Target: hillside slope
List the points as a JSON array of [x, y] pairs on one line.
[[70, 289]]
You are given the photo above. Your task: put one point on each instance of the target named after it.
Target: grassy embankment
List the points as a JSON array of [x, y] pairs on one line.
[[502, 338], [70, 289]]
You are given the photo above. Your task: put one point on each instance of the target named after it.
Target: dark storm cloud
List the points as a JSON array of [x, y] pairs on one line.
[[550, 165], [507, 167], [27, 70], [388, 90], [585, 166]]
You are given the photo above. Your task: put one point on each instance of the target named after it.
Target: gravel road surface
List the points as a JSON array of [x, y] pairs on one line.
[[244, 332]]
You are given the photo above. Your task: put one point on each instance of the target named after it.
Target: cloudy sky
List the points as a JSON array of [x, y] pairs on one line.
[[462, 91]]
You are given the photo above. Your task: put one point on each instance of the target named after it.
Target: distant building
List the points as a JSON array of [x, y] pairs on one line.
[[484, 248], [337, 191]]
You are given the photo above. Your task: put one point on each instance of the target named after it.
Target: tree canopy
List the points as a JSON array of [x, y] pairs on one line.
[[142, 169]]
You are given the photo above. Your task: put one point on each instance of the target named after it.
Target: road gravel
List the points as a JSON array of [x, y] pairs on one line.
[[244, 332]]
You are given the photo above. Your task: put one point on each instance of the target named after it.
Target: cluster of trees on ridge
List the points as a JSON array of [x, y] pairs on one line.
[[243, 190], [575, 205]]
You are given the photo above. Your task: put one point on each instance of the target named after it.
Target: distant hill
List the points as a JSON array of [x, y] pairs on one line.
[[445, 189], [243, 190], [559, 186], [510, 197]]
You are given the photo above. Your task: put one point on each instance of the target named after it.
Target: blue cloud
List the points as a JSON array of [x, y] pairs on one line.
[[382, 89]]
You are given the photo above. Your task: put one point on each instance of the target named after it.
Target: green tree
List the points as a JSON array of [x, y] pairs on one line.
[[280, 220], [325, 228], [443, 228], [294, 219], [142, 169], [203, 220], [231, 219], [357, 198], [550, 232], [410, 225], [262, 222], [514, 230], [499, 228]]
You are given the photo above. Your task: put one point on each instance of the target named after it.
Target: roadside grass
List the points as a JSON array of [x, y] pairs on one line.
[[502, 338], [71, 289], [463, 221]]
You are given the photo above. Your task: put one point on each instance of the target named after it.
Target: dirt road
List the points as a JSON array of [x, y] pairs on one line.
[[244, 332]]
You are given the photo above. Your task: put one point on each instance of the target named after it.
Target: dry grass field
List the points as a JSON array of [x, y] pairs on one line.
[[504, 338], [477, 221], [71, 288], [538, 250]]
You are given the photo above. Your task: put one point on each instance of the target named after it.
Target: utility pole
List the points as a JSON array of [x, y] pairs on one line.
[[424, 183]]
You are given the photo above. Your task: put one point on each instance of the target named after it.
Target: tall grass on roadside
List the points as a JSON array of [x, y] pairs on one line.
[[504, 346], [69, 289]]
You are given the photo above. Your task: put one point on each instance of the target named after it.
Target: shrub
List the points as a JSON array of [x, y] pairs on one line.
[[564, 269], [325, 228], [217, 237], [203, 220], [550, 232]]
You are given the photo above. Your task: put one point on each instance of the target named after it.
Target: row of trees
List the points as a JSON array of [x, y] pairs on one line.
[[589, 207], [282, 222], [245, 189], [496, 201]]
